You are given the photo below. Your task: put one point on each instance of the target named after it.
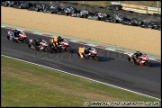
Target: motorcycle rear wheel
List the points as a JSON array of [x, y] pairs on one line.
[[148, 64], [8, 37], [26, 41], [96, 58], [32, 47], [68, 49]]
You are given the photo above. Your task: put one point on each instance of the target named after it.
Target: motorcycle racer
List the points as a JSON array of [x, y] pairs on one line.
[[84, 51], [56, 41], [136, 55], [38, 42], [16, 33]]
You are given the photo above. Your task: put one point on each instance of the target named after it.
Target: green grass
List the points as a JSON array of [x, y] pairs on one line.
[[24, 84]]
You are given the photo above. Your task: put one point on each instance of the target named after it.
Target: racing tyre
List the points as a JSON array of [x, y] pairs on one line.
[[59, 49], [8, 37], [32, 47], [133, 61], [96, 58], [68, 49], [14, 40], [148, 64], [26, 40], [46, 49], [129, 59]]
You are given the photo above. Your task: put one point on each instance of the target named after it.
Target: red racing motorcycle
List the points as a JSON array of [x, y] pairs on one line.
[[21, 38], [42, 47], [142, 60]]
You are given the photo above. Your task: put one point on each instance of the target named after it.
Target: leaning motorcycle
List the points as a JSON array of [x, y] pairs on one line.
[[43, 45], [143, 60], [22, 37], [93, 54], [64, 46]]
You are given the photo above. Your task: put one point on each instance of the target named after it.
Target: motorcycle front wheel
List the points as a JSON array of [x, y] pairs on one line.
[[96, 58]]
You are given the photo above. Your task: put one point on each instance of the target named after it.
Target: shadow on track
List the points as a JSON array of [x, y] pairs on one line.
[[105, 59], [155, 64], [101, 58]]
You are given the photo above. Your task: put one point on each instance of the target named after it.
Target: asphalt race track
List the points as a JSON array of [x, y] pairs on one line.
[[113, 68]]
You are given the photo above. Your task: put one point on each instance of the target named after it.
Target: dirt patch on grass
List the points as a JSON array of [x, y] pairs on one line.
[[136, 38]]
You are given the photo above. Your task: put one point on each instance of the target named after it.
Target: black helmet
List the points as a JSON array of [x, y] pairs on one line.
[[138, 52], [89, 48], [59, 37], [36, 40], [86, 49], [40, 40]]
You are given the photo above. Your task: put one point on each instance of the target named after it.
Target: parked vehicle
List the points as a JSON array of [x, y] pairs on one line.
[[38, 7], [69, 10], [55, 9], [93, 16], [136, 22], [32, 7], [45, 8], [5, 3], [119, 18], [116, 7], [12, 3], [152, 25], [103, 16], [126, 21], [110, 19], [23, 5], [84, 13]]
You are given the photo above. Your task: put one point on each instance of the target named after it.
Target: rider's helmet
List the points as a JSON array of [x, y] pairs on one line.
[[59, 38], [89, 47], [15, 31], [36, 40], [138, 52], [40, 40], [86, 50]]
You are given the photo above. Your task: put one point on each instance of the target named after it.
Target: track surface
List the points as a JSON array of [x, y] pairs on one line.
[[114, 67]]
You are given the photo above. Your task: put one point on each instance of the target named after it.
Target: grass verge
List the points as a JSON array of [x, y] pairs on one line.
[[24, 84]]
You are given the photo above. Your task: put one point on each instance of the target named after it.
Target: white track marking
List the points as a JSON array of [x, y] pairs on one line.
[[91, 45], [74, 41], [83, 77], [110, 49]]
